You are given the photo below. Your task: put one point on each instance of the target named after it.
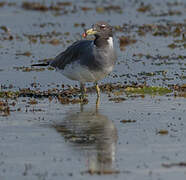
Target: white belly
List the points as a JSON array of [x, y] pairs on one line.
[[82, 74]]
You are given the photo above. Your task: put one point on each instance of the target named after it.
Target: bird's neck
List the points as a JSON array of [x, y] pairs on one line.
[[103, 42]]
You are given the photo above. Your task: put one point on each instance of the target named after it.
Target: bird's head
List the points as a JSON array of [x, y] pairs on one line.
[[100, 29]]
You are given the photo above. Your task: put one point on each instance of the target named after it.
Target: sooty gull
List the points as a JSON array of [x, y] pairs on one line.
[[88, 60]]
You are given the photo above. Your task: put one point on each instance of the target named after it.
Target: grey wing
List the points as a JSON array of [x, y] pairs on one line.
[[77, 51]]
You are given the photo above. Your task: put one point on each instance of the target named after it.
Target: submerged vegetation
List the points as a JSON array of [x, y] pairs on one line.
[[112, 89], [148, 90]]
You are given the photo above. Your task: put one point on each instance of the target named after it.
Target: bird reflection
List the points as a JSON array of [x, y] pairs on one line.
[[95, 134]]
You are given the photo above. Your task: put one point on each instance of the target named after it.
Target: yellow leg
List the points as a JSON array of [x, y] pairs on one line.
[[83, 91], [97, 90]]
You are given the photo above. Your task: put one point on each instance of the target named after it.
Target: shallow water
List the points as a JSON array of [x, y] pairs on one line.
[[140, 137], [73, 141]]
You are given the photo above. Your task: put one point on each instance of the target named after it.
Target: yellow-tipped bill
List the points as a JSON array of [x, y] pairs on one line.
[[89, 32]]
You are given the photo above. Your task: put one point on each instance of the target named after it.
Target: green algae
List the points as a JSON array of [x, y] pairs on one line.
[[72, 93], [9, 94], [153, 90]]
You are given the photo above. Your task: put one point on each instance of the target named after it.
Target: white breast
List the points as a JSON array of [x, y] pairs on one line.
[[77, 72], [110, 42]]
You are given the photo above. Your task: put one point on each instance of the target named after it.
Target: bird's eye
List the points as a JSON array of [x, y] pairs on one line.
[[102, 26]]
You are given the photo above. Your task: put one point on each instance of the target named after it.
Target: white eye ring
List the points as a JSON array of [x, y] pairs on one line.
[[103, 26]]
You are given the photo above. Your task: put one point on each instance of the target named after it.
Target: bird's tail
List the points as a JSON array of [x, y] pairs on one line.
[[42, 64]]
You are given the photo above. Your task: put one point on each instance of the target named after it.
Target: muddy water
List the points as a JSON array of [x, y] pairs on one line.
[[138, 137]]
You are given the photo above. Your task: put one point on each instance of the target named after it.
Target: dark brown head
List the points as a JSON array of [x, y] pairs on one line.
[[100, 29]]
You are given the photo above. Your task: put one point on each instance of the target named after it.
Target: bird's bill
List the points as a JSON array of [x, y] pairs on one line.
[[89, 32]]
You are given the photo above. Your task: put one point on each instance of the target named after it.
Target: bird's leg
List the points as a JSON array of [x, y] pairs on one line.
[[97, 89], [83, 91], [97, 103], [81, 107]]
